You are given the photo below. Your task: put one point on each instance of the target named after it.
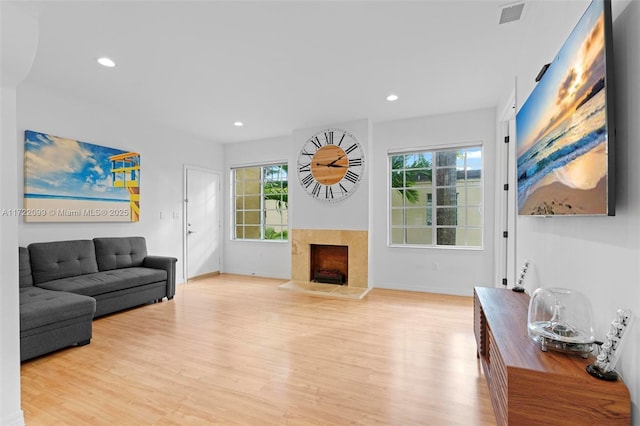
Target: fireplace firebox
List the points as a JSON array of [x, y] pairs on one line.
[[329, 264]]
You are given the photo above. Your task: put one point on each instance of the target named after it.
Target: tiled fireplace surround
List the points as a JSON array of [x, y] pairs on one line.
[[356, 241]]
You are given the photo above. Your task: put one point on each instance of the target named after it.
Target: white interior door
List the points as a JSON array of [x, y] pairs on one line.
[[202, 224]]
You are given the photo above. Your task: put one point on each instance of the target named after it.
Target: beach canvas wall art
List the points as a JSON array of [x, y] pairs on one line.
[[562, 133], [66, 180]]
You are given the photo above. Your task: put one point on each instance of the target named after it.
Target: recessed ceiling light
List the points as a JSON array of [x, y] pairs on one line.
[[392, 97], [238, 124], [106, 62]]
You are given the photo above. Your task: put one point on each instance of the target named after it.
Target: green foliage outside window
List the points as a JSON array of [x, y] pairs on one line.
[[261, 202]]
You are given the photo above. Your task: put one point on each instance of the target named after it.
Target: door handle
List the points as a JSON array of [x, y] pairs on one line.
[[191, 232]]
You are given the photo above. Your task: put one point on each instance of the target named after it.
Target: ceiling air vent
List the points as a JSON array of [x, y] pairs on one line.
[[511, 12]]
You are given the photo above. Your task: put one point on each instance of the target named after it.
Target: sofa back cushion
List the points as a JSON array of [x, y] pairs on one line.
[[25, 278], [62, 259], [120, 252]]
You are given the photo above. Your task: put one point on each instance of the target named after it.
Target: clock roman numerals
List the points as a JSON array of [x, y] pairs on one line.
[[308, 180], [351, 148], [328, 137], [316, 190], [304, 168], [353, 162], [330, 192], [351, 176]]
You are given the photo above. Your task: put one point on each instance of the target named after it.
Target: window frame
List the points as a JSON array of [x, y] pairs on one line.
[[263, 225], [430, 204]]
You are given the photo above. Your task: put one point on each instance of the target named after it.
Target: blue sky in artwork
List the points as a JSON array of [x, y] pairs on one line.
[[575, 69], [70, 168]]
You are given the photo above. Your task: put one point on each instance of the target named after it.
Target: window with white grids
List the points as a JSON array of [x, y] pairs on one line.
[[436, 197], [260, 195]]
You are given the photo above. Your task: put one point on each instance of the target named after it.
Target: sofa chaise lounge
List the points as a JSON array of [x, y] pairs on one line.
[[65, 284]]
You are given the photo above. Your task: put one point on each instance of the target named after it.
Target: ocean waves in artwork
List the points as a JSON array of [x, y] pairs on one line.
[[580, 135]]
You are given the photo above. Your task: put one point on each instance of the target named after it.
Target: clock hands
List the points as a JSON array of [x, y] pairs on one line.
[[333, 163]]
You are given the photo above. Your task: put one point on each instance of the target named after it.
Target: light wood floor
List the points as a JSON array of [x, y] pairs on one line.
[[237, 350]]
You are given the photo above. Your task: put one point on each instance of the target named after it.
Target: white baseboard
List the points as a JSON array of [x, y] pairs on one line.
[[423, 289]]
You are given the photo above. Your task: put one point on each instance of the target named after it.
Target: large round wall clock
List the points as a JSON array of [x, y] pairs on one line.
[[331, 165]]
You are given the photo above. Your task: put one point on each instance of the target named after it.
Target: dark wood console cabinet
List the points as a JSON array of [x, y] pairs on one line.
[[531, 387]]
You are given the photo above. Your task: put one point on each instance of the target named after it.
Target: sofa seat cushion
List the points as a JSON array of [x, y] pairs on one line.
[[40, 307], [107, 281]]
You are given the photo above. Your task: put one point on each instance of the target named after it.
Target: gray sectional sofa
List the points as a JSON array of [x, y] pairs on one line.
[[65, 284]]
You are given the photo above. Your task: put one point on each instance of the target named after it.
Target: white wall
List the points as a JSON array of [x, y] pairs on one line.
[[598, 256], [438, 270], [19, 43], [10, 412], [260, 258], [163, 153]]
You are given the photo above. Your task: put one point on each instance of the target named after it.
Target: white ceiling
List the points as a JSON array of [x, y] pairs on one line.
[[198, 66]]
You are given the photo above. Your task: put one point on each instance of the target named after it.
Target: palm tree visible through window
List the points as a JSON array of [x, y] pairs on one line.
[[436, 198]]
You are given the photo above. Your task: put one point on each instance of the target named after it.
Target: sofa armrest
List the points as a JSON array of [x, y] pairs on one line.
[[169, 265]]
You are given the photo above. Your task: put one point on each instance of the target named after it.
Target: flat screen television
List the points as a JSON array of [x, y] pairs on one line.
[[565, 129]]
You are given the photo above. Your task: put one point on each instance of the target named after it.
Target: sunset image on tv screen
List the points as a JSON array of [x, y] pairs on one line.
[[562, 129]]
